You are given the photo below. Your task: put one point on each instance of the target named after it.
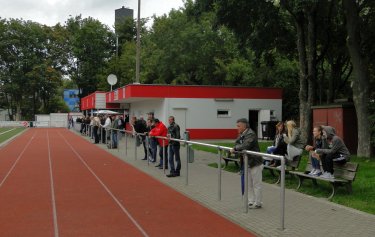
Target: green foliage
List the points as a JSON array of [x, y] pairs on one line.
[[92, 44]]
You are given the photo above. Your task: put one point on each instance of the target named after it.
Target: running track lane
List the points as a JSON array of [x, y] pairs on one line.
[[54, 183]]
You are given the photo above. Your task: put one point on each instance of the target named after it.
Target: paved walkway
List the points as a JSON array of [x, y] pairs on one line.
[[304, 215]]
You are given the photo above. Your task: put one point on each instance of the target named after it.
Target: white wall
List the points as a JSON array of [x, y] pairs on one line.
[[202, 113], [141, 108], [100, 101]]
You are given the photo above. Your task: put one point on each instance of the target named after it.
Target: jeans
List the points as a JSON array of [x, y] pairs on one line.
[[153, 149], [163, 156], [174, 154], [114, 139]]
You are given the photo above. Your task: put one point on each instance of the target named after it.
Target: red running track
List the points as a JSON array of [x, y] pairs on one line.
[[55, 183]]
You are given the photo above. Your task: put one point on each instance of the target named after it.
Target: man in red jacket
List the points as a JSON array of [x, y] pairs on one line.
[[161, 130]]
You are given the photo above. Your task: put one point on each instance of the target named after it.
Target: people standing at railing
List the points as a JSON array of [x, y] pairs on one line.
[[337, 152], [279, 147], [248, 140], [161, 130], [83, 127], [96, 125], [153, 143], [91, 127], [114, 126], [105, 126], [294, 140], [174, 148], [319, 143], [140, 127], [87, 125], [121, 126]]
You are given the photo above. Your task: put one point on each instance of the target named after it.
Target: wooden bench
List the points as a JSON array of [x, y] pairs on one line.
[[344, 175], [228, 157], [289, 167]]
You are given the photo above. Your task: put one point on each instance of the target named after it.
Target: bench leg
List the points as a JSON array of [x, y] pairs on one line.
[[334, 187], [300, 181], [314, 182], [349, 187]]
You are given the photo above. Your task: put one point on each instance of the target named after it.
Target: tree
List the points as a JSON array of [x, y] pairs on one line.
[[360, 18], [92, 44]]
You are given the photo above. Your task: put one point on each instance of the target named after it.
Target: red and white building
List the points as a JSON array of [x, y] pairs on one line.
[[207, 112]]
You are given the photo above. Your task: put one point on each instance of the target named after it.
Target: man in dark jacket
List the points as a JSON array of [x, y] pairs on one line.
[[248, 140], [174, 148]]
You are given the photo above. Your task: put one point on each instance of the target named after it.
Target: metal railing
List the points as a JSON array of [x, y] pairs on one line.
[[88, 132]]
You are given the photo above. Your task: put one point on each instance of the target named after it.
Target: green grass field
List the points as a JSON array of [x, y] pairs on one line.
[[4, 135], [362, 198]]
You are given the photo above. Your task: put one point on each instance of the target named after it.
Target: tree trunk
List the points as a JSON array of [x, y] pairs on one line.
[[312, 71], [301, 46], [360, 83], [18, 111]]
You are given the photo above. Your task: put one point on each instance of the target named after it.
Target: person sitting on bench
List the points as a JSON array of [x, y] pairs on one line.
[[279, 146], [294, 140], [337, 152], [319, 142]]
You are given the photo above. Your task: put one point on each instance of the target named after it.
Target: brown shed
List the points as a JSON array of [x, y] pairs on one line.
[[343, 118]]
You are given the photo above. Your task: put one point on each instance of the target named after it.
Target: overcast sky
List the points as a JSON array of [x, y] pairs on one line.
[[50, 12]]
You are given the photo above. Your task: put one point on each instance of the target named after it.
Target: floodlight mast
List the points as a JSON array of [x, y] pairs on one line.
[[138, 61]]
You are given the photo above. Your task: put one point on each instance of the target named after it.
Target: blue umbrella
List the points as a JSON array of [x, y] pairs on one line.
[[242, 180]]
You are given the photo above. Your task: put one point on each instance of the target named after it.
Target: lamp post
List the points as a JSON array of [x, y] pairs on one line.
[[137, 62]]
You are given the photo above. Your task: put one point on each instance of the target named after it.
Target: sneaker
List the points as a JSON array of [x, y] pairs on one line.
[[318, 174], [251, 204], [327, 175], [312, 172], [255, 206]]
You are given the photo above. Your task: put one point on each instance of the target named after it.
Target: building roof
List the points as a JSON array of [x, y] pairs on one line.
[[134, 92]]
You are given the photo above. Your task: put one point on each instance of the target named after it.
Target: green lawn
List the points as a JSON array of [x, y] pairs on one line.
[[362, 198], [6, 136]]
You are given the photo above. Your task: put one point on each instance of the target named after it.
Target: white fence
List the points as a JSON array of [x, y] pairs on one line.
[[57, 120]]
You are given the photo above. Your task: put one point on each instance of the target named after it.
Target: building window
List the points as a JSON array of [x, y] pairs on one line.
[[223, 113]]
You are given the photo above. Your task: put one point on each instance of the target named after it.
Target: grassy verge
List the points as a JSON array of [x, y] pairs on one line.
[[362, 198], [8, 135]]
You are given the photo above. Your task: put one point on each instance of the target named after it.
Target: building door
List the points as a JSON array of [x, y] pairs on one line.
[[253, 120], [180, 118]]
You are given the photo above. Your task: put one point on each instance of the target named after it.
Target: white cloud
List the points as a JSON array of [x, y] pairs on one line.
[[50, 12]]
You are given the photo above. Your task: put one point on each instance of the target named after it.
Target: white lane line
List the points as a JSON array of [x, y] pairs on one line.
[[7, 131], [107, 189], [55, 226], [18, 158]]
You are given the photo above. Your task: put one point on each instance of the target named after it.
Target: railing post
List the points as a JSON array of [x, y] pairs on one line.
[[126, 143], [219, 173], [135, 146], [282, 193], [164, 156], [101, 134], [187, 138], [147, 149], [246, 182]]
